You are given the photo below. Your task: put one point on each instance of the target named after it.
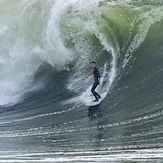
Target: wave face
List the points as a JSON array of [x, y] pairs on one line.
[[46, 48]]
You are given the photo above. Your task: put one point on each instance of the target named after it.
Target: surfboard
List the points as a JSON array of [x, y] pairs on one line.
[[91, 103]]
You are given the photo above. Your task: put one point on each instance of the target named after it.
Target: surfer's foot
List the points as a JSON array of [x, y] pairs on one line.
[[99, 97], [95, 100]]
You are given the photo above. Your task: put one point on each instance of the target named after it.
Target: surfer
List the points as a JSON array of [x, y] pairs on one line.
[[96, 75]]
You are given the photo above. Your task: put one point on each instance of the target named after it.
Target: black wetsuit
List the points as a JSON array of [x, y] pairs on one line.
[[96, 75]]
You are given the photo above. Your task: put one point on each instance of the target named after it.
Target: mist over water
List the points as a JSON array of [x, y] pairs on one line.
[[46, 48]]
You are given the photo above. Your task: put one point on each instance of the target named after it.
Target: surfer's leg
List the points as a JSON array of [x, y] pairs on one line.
[[93, 90], [97, 95]]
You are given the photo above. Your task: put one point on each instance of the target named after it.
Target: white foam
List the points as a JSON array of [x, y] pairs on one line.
[[20, 58], [16, 74], [3, 29]]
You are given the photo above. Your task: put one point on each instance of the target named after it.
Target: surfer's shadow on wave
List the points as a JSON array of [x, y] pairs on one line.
[[95, 112], [96, 116]]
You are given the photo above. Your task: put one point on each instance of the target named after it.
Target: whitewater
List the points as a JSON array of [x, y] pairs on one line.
[[46, 48]]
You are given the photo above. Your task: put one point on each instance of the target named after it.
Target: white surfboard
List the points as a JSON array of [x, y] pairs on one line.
[[91, 103]]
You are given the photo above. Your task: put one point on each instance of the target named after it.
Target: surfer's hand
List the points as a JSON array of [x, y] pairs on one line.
[[98, 83]]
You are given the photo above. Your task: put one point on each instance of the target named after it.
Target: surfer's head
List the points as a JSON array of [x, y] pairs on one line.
[[93, 64]]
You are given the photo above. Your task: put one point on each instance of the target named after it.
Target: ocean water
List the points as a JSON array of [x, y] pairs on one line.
[[46, 48]]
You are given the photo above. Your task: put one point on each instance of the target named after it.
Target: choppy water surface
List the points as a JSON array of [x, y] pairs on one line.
[[45, 53]]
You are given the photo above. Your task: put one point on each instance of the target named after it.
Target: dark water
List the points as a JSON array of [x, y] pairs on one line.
[[45, 53]]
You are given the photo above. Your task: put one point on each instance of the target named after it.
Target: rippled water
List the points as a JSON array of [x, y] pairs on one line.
[[45, 53]]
